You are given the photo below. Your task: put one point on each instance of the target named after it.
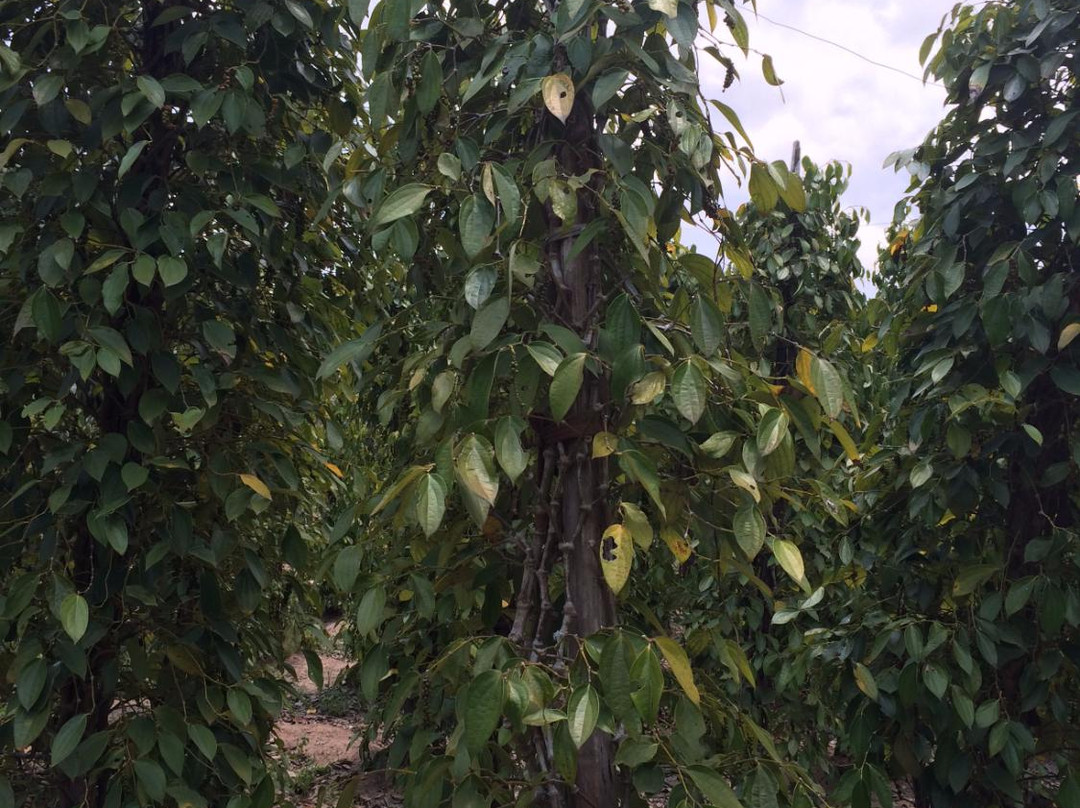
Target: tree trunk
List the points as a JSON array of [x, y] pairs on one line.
[[583, 513]]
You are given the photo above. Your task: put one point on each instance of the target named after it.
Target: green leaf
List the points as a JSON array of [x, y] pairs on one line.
[[690, 391], [763, 190], [828, 387], [615, 679], [296, 8], [483, 708], [152, 90], [347, 567], [643, 470], [760, 314], [768, 70], [47, 88], [488, 322], [647, 674], [130, 157], [546, 355], [369, 614], [239, 705], [405, 201], [172, 270], [475, 221], [203, 738], [715, 788], [134, 475], [355, 350], [565, 385], [430, 503], [74, 616], [475, 467], [706, 325], [749, 528], [112, 339], [582, 712], [67, 738], [429, 87], [508, 449], [31, 682], [151, 777], [637, 522], [771, 431], [936, 679]]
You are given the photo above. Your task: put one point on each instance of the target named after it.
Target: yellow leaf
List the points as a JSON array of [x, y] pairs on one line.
[[256, 485], [746, 482], [644, 391], [558, 93], [677, 544], [604, 444], [845, 439], [680, 666], [335, 470], [869, 343], [616, 556], [865, 680], [1068, 334], [791, 560], [487, 182], [802, 368]]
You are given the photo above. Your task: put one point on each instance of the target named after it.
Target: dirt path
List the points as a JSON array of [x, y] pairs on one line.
[[319, 734]]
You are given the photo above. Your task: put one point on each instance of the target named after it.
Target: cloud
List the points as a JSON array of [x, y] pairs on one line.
[[840, 107]]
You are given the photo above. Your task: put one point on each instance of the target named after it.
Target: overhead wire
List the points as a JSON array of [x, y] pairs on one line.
[[851, 51]]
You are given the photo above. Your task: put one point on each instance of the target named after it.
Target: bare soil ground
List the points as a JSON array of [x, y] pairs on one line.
[[318, 733]]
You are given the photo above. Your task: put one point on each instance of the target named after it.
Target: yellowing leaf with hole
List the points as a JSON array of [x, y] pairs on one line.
[[604, 444], [679, 547], [680, 666], [1068, 334], [616, 556], [558, 93], [256, 485]]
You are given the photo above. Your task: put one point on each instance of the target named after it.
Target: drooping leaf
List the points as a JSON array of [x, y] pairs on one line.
[[405, 201], [582, 711], [74, 616], [680, 666], [483, 708], [475, 465], [827, 386], [430, 503], [690, 391], [565, 385]]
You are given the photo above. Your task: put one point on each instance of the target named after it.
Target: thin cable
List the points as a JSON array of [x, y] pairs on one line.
[[849, 50]]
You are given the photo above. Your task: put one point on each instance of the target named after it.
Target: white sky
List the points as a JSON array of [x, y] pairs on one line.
[[837, 105]]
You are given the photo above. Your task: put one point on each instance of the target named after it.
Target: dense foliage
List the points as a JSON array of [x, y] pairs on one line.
[[167, 179], [390, 304], [978, 517]]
